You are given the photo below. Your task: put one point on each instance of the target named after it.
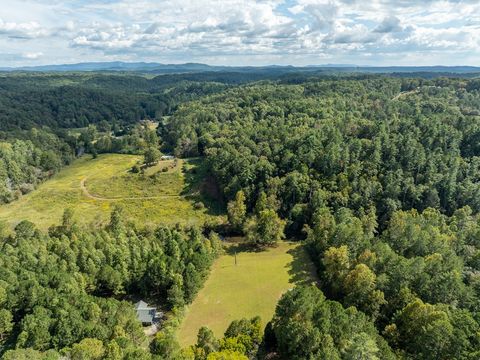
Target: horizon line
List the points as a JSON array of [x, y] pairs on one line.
[[232, 66]]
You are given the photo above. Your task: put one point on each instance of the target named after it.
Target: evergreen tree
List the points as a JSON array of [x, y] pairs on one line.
[[237, 211]]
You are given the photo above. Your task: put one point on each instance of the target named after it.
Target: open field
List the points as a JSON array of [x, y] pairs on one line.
[[91, 187], [250, 288]]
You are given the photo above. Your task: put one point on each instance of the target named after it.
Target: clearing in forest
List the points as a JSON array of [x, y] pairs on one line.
[[166, 193], [249, 288]]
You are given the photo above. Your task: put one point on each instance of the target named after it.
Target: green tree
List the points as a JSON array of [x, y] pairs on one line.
[[266, 229], [192, 282], [67, 219], [113, 351], [360, 290], [425, 330], [337, 264], [35, 330], [175, 294], [87, 349], [104, 126], [206, 340], [50, 161], [261, 203], [165, 345], [152, 156], [237, 211], [117, 220], [88, 135], [6, 323], [362, 347], [227, 355], [30, 354]]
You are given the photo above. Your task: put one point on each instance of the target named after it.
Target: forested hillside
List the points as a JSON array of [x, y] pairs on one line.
[[381, 177], [378, 176], [77, 100], [28, 158], [345, 143]]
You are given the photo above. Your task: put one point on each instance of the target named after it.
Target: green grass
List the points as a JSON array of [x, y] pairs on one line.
[[252, 287], [153, 182], [108, 176]]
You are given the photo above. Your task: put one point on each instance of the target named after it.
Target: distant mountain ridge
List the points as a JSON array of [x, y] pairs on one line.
[[159, 68]]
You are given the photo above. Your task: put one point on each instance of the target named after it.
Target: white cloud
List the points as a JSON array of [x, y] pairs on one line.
[[24, 30], [241, 31], [32, 55], [388, 25]]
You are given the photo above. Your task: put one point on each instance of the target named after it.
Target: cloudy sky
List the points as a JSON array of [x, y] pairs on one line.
[[241, 32]]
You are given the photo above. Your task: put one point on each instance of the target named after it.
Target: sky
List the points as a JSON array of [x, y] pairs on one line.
[[241, 32]]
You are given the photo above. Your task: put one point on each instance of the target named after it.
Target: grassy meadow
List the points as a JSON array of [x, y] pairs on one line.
[[249, 288], [156, 196]]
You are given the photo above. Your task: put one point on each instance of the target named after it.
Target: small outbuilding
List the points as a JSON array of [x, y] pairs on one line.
[[147, 315], [167, 157]]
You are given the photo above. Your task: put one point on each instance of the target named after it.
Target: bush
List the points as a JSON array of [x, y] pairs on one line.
[[198, 205], [135, 169], [17, 194], [26, 188]]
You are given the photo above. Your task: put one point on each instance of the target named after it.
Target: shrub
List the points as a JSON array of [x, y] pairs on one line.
[[198, 205], [26, 188], [135, 169]]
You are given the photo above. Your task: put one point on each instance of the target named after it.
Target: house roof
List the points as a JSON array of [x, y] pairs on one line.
[[141, 305], [145, 314]]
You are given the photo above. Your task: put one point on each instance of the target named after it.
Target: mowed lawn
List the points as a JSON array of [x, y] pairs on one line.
[[108, 177], [250, 288]]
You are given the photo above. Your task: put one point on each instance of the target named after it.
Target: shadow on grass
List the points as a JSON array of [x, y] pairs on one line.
[[301, 269], [236, 248]]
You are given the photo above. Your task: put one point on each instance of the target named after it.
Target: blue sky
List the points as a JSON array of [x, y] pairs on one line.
[[241, 32]]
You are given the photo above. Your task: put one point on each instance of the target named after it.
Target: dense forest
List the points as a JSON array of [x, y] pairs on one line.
[[77, 100], [377, 175], [345, 143], [380, 176]]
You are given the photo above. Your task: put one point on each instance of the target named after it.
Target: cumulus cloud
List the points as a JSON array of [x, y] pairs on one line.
[[388, 25], [294, 31], [351, 35], [26, 30]]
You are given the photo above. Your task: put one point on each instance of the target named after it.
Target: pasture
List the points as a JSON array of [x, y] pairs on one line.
[[91, 187], [249, 288]]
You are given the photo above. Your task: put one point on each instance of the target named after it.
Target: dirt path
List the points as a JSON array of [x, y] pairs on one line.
[[100, 198]]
